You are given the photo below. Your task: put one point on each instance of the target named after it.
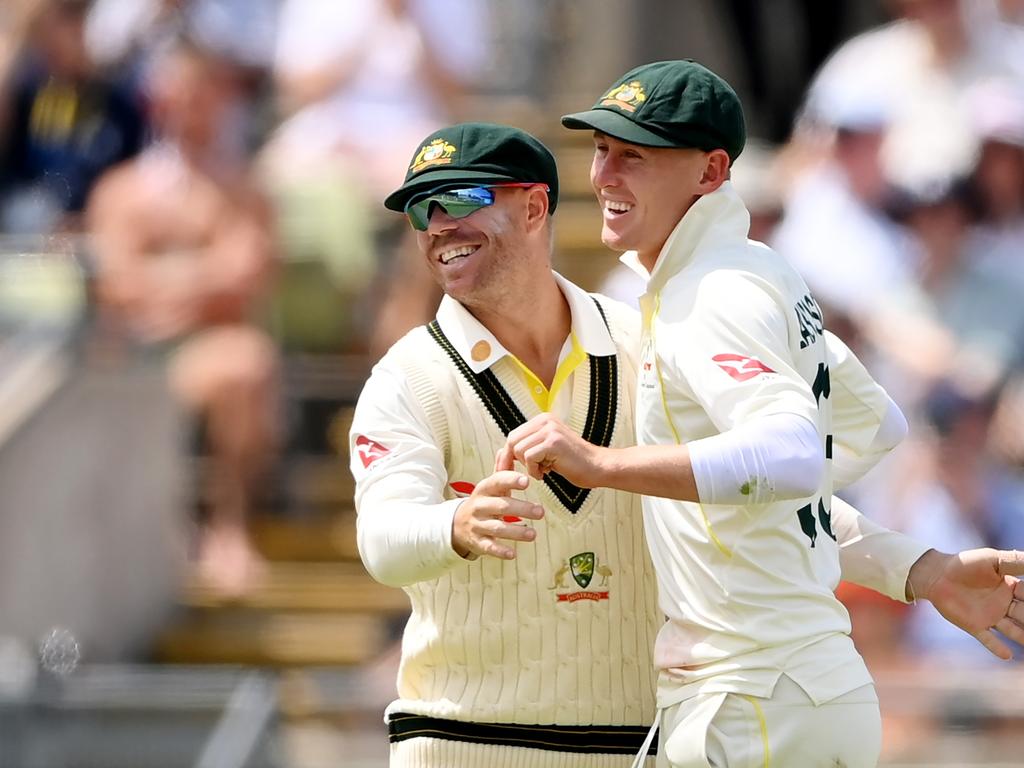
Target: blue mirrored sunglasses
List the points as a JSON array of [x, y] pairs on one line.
[[457, 203]]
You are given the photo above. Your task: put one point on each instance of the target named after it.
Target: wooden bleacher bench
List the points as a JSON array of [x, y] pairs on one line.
[[274, 639]]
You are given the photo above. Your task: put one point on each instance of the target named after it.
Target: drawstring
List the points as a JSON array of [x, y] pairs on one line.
[[642, 754]]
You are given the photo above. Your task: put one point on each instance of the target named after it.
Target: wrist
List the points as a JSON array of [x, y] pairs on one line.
[[924, 574], [607, 466], [462, 551]]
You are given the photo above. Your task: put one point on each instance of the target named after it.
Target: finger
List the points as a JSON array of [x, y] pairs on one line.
[[529, 428], [539, 459], [511, 510], [523, 509], [527, 442], [1018, 589], [505, 459], [1016, 611], [511, 532], [1011, 562], [488, 546], [501, 483], [1011, 629], [997, 648]]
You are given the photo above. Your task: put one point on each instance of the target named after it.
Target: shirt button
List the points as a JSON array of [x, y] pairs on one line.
[[539, 390]]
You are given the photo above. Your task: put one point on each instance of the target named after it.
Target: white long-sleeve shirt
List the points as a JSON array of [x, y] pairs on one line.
[[732, 334]]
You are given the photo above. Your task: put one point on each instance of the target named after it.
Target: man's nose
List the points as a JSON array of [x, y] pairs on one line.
[[603, 173], [439, 221]]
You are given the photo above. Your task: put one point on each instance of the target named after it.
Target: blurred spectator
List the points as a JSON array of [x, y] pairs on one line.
[[997, 114], [358, 79], [920, 65], [123, 34], [835, 229], [184, 247], [66, 124], [359, 82], [965, 318], [127, 33]]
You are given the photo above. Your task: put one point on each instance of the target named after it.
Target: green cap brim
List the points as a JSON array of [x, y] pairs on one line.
[[616, 125], [432, 179]]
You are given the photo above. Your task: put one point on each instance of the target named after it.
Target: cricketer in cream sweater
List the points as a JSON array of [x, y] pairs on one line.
[[558, 635]]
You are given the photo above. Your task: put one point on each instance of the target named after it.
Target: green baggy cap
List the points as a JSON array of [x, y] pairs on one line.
[[477, 153], [677, 104]]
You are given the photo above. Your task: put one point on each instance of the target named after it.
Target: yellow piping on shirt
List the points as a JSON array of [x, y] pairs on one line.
[[672, 425], [764, 730]]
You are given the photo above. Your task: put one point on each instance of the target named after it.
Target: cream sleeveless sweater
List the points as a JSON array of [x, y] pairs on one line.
[[563, 634]]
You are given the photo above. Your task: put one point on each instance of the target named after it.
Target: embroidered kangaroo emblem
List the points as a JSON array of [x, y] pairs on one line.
[[560, 575]]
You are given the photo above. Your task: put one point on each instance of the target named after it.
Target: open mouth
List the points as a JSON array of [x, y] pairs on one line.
[[460, 252], [617, 207]]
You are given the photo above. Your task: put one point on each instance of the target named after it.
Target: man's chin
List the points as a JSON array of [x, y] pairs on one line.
[[613, 240]]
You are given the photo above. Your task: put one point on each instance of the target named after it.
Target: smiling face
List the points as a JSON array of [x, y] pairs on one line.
[[644, 191], [485, 257]]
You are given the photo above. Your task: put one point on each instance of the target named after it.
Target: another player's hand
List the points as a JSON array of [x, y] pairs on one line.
[[544, 444], [977, 590], [490, 515]]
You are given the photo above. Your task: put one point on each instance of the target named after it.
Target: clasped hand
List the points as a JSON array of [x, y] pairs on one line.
[[545, 444]]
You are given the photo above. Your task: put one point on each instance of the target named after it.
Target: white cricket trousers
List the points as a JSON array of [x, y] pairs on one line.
[[728, 730]]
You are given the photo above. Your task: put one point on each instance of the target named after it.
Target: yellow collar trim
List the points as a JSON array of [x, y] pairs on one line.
[[542, 396]]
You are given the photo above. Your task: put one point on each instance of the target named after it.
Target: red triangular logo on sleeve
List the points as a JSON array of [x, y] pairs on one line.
[[741, 367], [370, 450]]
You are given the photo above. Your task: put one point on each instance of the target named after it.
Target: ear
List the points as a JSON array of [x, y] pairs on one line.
[[536, 207], [716, 171]]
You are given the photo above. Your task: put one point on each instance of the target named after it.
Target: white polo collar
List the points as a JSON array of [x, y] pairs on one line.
[[480, 349]]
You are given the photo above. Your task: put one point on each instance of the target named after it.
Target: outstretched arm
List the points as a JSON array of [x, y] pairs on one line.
[[976, 590]]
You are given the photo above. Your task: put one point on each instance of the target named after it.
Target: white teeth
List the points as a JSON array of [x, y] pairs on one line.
[[616, 206], [454, 253]]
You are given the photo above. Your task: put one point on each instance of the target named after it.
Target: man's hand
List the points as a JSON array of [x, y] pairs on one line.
[[977, 591], [490, 514], [544, 444]]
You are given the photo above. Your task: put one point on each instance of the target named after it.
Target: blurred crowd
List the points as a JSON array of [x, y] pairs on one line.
[[225, 160]]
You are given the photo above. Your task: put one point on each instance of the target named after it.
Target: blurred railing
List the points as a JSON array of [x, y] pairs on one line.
[[127, 716]]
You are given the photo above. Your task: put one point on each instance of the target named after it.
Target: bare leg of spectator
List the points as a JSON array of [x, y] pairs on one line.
[[230, 376]]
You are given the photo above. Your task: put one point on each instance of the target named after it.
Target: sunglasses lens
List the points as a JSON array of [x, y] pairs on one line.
[[457, 203]]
